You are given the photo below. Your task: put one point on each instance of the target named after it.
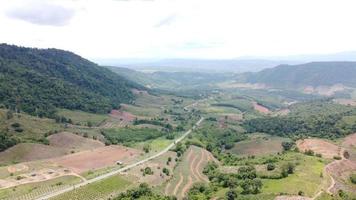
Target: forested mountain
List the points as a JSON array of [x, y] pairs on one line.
[[309, 74], [38, 80]]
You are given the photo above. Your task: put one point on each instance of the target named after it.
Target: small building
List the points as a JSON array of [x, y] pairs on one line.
[[119, 162]]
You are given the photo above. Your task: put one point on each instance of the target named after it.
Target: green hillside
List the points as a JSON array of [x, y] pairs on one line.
[[37, 81], [309, 74]]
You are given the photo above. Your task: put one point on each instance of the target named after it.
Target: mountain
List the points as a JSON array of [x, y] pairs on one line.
[[37, 81], [198, 65], [309, 74], [173, 80]]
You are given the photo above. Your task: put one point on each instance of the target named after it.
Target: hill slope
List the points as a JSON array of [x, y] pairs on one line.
[[38, 80], [309, 74]]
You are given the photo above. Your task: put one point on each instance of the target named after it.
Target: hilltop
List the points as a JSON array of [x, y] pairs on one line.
[[37, 81]]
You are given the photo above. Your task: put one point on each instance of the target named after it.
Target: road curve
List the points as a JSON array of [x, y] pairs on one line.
[[101, 177]]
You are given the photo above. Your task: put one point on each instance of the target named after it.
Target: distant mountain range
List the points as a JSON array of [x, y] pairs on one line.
[[309, 74], [238, 65], [39, 80]]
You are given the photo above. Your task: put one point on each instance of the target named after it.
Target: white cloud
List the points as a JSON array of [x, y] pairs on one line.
[[185, 28]]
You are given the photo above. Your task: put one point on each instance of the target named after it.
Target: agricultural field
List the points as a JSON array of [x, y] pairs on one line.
[[35, 190], [259, 144], [187, 172], [99, 190], [83, 118]]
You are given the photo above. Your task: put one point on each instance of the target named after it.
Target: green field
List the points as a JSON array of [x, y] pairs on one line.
[[98, 190], [259, 144], [82, 118], [32, 128], [308, 177]]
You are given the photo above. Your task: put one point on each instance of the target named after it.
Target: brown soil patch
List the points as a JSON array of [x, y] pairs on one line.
[[17, 168], [97, 158], [349, 141], [340, 170], [24, 152], [192, 167], [71, 141], [199, 167], [326, 149], [36, 176], [122, 115], [260, 108]]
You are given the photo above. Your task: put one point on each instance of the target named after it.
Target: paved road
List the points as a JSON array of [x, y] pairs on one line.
[[124, 168]]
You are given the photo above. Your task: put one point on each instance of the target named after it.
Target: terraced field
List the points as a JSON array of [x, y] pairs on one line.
[[188, 172]]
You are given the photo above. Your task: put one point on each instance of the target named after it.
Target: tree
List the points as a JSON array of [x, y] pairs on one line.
[[287, 145], [146, 148], [9, 114], [231, 194], [353, 178], [270, 166], [165, 171], [251, 186]]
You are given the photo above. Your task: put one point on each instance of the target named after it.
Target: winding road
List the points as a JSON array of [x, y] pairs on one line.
[[51, 195]]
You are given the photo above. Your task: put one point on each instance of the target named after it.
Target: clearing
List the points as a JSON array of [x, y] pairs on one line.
[[103, 157], [325, 148], [259, 144]]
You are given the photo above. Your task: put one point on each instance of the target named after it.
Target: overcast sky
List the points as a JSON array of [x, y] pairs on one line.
[[181, 28]]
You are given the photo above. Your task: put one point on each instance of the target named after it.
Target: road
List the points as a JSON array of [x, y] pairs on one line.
[[101, 177]]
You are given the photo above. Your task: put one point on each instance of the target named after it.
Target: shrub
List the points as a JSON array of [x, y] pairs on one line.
[[270, 166], [337, 157], [353, 178], [309, 152]]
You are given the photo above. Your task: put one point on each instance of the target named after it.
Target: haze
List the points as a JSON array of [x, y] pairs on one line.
[[156, 29]]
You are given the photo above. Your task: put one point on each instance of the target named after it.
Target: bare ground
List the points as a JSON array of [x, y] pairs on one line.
[[326, 149]]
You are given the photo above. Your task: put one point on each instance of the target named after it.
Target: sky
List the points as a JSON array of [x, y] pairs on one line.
[[218, 29]]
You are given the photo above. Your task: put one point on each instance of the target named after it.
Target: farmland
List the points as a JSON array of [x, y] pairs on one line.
[[188, 171]]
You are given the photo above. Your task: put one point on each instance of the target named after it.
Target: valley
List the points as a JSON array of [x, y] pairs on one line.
[[183, 135]]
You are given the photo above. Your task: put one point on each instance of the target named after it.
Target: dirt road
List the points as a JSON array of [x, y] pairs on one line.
[[47, 196]]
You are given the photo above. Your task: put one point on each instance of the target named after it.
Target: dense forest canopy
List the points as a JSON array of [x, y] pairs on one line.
[[38, 80]]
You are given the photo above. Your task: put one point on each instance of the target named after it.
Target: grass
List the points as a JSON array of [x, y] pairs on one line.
[[82, 118], [306, 178], [131, 135], [32, 190], [156, 144], [34, 128], [259, 144], [97, 190]]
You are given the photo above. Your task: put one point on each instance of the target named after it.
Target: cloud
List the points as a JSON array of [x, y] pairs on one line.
[[42, 13], [166, 21]]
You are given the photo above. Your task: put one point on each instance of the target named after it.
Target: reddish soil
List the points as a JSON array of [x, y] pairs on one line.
[[192, 167], [187, 186], [340, 170], [97, 158], [122, 115], [260, 108], [326, 149], [349, 141]]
